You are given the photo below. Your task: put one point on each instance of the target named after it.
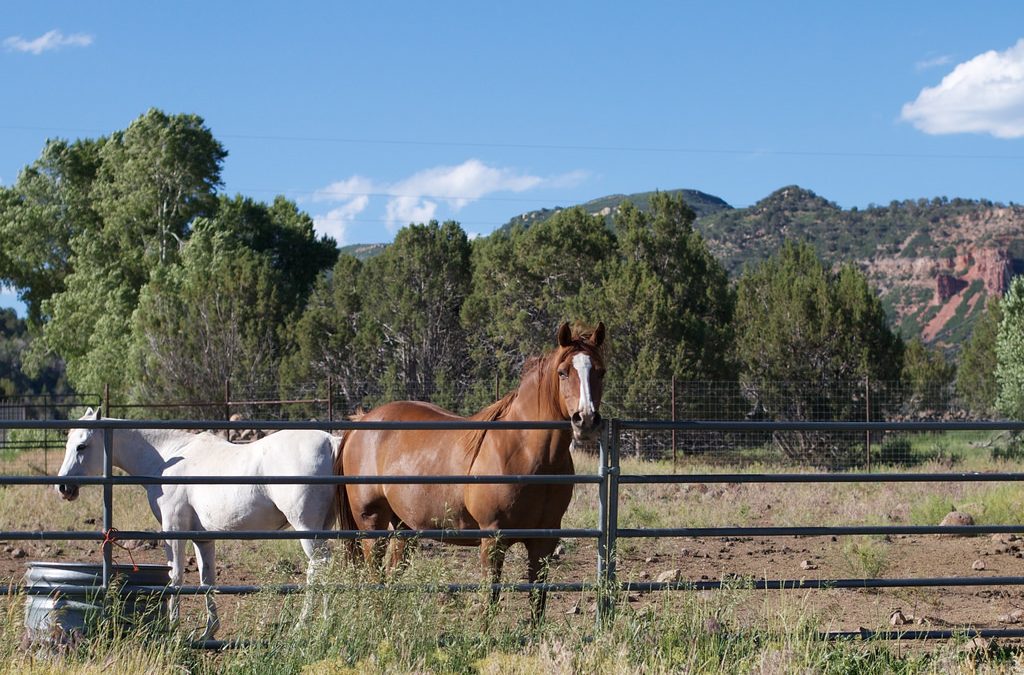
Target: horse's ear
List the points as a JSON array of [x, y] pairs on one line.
[[598, 337], [90, 414], [564, 335]]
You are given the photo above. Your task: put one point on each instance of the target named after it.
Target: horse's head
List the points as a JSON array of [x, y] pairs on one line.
[[580, 367], [83, 456]]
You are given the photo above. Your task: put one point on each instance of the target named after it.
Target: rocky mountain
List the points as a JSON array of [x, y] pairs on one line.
[[935, 262], [363, 251], [702, 204]]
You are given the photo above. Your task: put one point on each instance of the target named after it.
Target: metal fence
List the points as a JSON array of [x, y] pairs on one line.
[[607, 531], [674, 400]]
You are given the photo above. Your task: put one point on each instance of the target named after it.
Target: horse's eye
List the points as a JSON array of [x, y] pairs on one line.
[[81, 448], [563, 374]]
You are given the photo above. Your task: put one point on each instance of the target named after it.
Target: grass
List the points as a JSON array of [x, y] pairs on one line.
[[866, 557], [395, 631], [402, 630]]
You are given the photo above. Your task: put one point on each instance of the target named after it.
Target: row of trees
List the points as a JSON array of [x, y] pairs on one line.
[[139, 274]]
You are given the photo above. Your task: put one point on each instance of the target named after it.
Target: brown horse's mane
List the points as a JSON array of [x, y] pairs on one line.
[[581, 342]]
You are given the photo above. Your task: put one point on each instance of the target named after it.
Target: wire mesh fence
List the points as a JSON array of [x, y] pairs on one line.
[[677, 400], [38, 407]]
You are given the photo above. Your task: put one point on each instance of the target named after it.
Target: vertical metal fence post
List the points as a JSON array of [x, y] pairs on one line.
[[108, 505], [609, 517], [330, 398], [675, 457], [613, 499], [602, 523], [867, 418]]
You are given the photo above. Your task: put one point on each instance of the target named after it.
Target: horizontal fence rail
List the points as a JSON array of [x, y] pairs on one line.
[[609, 479]]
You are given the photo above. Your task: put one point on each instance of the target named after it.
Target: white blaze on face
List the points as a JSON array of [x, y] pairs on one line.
[[582, 364], [71, 453]]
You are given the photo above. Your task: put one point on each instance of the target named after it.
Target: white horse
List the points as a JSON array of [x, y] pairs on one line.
[[148, 452]]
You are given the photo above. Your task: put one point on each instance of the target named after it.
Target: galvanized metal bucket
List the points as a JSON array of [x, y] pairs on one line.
[[65, 599]]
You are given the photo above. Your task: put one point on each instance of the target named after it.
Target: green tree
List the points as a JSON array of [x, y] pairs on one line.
[[47, 207], [214, 317], [668, 301], [154, 178], [412, 296], [152, 181], [1010, 353], [14, 339], [529, 280], [326, 338], [976, 375], [804, 331], [280, 232], [927, 378]]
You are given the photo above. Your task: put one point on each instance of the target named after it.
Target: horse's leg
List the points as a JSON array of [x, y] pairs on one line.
[[492, 559], [205, 559], [401, 548], [373, 552], [175, 550], [311, 509], [538, 552], [376, 516], [401, 551], [318, 555]]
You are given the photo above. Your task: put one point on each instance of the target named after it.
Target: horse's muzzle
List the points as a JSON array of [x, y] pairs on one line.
[[585, 427], [68, 492]]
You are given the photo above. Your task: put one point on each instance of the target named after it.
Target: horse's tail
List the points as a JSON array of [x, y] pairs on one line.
[[346, 521]]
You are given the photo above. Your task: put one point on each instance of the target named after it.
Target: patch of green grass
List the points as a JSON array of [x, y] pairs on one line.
[[642, 516], [930, 510], [866, 557], [1000, 505]]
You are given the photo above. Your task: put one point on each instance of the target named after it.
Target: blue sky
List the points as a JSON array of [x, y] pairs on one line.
[[371, 115]]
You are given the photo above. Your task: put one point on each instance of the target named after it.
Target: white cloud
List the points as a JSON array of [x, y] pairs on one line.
[[933, 62], [46, 42], [354, 196], [982, 95], [567, 180], [415, 199], [336, 222], [344, 190], [418, 198]]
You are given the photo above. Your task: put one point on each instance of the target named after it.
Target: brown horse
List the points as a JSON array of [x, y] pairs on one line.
[[564, 384]]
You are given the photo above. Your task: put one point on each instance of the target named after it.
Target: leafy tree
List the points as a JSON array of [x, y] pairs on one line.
[[152, 180], [14, 339], [1010, 353], [327, 337], [976, 375], [802, 331], [48, 206], [412, 295], [281, 233], [927, 377], [668, 301], [529, 280], [211, 318]]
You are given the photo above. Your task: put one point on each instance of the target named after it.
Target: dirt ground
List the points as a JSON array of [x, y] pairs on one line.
[[691, 560], [683, 559]]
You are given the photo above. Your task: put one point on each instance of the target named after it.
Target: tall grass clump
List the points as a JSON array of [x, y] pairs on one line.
[[402, 626]]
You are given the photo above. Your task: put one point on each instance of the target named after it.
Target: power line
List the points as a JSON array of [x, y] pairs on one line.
[[566, 147]]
